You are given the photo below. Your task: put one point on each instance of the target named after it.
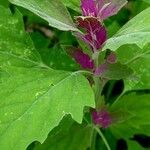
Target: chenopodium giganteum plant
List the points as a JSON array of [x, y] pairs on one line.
[[36, 99], [95, 36]]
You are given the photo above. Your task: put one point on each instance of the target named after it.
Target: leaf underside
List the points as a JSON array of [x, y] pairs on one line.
[[136, 31], [54, 12]]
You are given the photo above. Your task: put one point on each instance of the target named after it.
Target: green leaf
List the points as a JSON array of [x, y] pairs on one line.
[[138, 60], [34, 98], [13, 37], [59, 59], [4, 3], [67, 136], [73, 4], [52, 11], [133, 112], [147, 1], [54, 57], [134, 145], [136, 31], [116, 71]]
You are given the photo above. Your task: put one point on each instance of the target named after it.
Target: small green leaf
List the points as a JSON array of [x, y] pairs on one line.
[[70, 136], [136, 31], [116, 71], [54, 12], [133, 113], [34, 98]]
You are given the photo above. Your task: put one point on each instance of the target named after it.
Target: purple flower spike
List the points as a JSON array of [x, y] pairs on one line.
[[88, 8], [102, 118], [101, 9], [95, 35], [81, 58]]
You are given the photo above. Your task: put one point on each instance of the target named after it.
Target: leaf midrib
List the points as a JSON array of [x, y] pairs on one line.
[[135, 32], [38, 64], [136, 57]]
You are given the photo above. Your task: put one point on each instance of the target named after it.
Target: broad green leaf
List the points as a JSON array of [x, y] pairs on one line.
[[136, 31], [53, 11], [13, 37], [73, 4], [67, 136], [138, 60], [31, 19], [133, 112], [34, 98]]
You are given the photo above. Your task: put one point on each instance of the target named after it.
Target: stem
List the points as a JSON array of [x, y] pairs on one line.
[[97, 80], [93, 138], [96, 58], [103, 138], [97, 89]]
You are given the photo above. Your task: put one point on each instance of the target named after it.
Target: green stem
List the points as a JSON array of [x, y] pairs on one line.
[[103, 138], [97, 80], [96, 58], [93, 138], [97, 88]]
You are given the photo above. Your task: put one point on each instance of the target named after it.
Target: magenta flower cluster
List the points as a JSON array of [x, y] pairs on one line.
[[102, 118], [91, 21]]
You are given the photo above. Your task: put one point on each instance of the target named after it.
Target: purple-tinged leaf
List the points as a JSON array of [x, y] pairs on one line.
[[81, 58], [95, 33], [102, 118], [107, 8], [88, 8], [101, 9], [111, 58], [101, 69]]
